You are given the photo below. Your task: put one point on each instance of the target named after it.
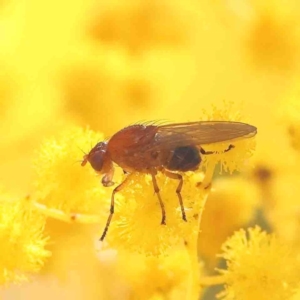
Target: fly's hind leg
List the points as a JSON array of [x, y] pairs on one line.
[[112, 205], [156, 190], [202, 151], [178, 190]]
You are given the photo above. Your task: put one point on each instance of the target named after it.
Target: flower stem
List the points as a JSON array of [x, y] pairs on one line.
[[62, 216], [209, 173], [212, 280], [192, 242]]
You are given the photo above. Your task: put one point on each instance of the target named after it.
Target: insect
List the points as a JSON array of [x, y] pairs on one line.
[[170, 149]]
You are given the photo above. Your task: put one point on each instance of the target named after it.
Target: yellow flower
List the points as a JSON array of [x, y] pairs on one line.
[[283, 215], [296, 296], [67, 192], [259, 266], [236, 158], [96, 82], [136, 223], [138, 214], [273, 39], [268, 31], [290, 114], [150, 277], [70, 194], [60, 182], [233, 160], [231, 204], [137, 25], [22, 240]]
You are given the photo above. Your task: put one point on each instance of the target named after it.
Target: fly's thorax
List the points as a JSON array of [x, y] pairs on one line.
[[144, 162], [128, 148]]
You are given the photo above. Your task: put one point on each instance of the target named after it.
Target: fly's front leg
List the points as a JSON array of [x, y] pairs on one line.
[[178, 190], [202, 151], [107, 178], [156, 190], [112, 205]]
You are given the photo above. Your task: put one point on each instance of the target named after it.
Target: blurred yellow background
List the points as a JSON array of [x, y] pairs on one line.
[[107, 64]]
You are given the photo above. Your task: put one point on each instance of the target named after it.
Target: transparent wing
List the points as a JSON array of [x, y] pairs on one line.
[[200, 133]]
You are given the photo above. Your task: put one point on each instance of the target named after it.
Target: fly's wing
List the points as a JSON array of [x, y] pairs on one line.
[[200, 133]]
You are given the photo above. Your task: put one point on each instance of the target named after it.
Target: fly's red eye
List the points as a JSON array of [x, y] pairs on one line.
[[96, 160]]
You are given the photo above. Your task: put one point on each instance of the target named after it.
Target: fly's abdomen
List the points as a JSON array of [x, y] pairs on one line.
[[184, 159]]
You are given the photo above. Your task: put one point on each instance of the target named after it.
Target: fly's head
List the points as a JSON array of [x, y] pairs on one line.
[[98, 158]]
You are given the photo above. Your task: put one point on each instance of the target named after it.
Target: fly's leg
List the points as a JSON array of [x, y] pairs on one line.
[[156, 190], [178, 190], [202, 151], [112, 205]]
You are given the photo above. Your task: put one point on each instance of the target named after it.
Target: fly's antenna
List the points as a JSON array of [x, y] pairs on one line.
[[78, 161], [84, 153], [85, 156]]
